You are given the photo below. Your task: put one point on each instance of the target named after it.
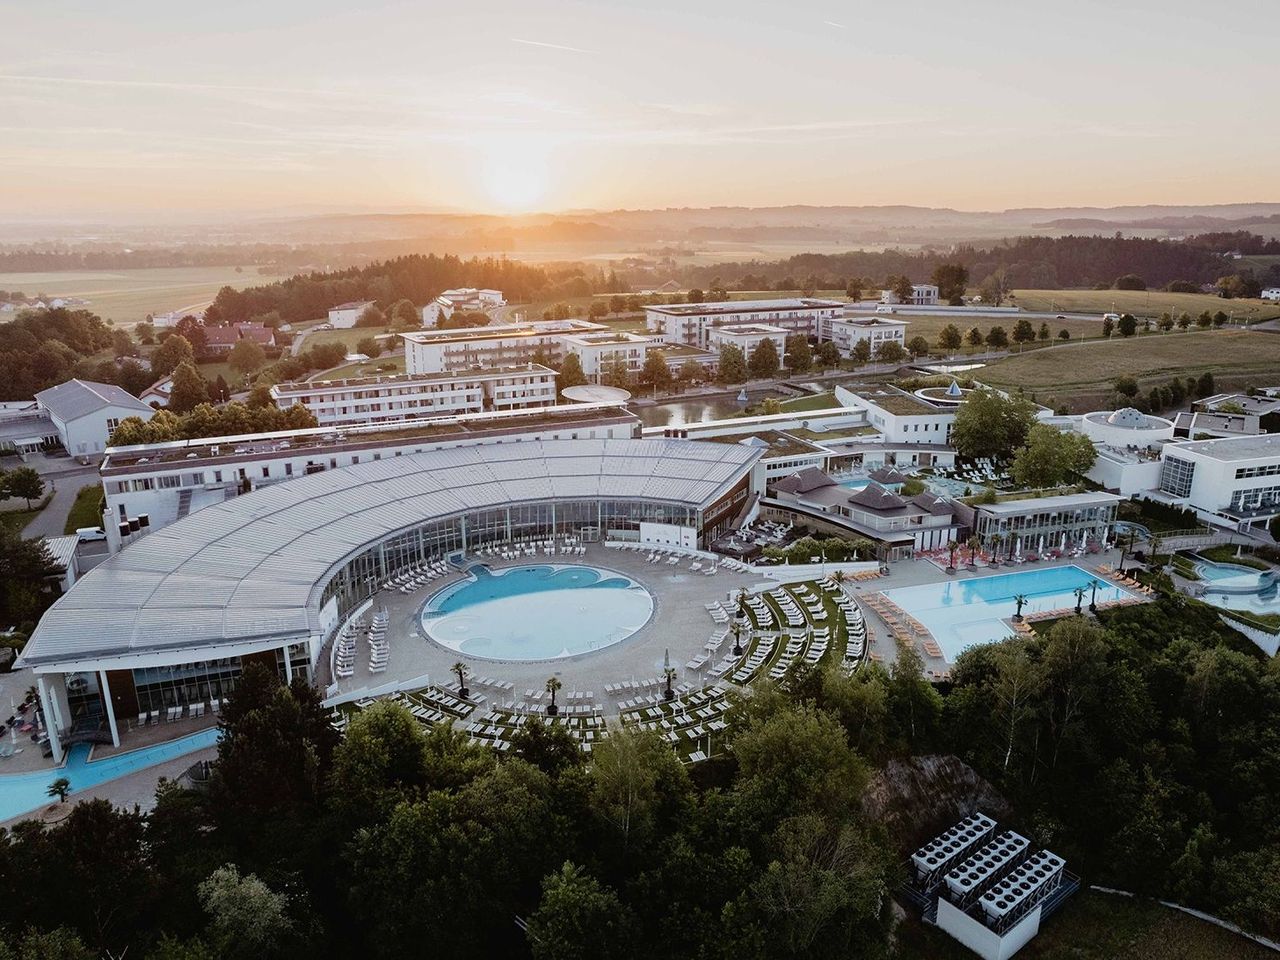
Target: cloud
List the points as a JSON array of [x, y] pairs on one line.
[[832, 23], [549, 46]]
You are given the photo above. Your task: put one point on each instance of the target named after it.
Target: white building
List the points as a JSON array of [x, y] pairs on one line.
[[410, 396], [901, 417], [157, 395], [84, 413], [690, 323], [1128, 443], [922, 295], [466, 299], [168, 481], [345, 315], [845, 332], [497, 345], [1232, 482], [598, 352], [746, 337], [1271, 293]]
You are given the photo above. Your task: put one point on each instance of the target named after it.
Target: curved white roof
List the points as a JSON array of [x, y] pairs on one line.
[[247, 570]]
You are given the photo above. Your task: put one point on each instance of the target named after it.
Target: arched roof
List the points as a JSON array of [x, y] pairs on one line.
[[247, 569]]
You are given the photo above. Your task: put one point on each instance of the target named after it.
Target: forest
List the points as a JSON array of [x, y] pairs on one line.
[[1142, 748]]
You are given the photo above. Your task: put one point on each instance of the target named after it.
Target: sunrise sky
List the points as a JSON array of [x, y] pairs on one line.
[[163, 109]]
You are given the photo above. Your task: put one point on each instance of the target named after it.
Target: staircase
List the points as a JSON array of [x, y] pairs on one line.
[[184, 503]]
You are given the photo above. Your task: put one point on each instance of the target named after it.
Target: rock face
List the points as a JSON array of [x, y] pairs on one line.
[[918, 798]]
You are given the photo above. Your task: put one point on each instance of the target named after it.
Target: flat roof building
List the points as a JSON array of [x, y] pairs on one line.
[[690, 323], [497, 345], [1230, 482]]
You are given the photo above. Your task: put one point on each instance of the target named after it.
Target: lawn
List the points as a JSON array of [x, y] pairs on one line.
[[349, 338], [17, 519], [369, 369], [819, 401], [1141, 303], [1233, 355], [127, 296], [1096, 926], [85, 511]]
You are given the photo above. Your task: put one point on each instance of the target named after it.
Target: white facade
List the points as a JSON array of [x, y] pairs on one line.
[[845, 332], [747, 337], [922, 295], [1232, 482], [84, 413], [598, 352], [1271, 293], [901, 417], [690, 323], [345, 315], [389, 399], [500, 345], [462, 298]]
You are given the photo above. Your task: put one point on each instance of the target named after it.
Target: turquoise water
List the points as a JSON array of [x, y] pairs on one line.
[[1237, 587], [854, 484], [540, 612], [1225, 571], [24, 792], [964, 613]]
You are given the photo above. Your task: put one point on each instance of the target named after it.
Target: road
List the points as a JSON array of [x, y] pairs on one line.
[[67, 478]]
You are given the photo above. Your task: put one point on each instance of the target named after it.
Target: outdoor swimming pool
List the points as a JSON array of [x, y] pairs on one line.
[[1237, 587], [24, 792], [539, 612], [964, 613]]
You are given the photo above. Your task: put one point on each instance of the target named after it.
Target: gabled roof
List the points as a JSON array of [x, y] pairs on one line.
[[803, 481], [221, 336], [936, 505], [887, 475], [351, 305], [78, 398], [875, 497]]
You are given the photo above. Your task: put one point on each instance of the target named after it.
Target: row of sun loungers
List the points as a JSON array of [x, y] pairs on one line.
[[193, 710], [379, 647]]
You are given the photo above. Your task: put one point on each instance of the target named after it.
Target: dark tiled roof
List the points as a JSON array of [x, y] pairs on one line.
[[803, 481], [888, 475], [875, 497], [936, 505]]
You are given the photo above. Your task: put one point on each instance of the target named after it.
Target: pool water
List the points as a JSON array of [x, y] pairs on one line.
[[857, 484], [24, 792], [965, 613], [1237, 587], [541, 612]]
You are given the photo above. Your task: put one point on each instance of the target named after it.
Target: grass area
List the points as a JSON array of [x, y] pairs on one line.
[[1226, 553], [1141, 303], [818, 401], [349, 338], [127, 296], [369, 369], [1150, 359], [1157, 517], [85, 511], [931, 326], [17, 519], [1096, 926]]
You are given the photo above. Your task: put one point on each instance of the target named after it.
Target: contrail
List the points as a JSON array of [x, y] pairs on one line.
[[549, 46], [832, 23]]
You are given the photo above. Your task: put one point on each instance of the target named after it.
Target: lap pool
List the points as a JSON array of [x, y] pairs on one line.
[[542, 612], [964, 613]]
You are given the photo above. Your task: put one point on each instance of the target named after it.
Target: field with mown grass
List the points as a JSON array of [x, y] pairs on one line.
[[1141, 303], [127, 296]]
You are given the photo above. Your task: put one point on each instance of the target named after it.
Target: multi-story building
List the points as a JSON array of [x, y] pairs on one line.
[[922, 295], [84, 413], [497, 345], [412, 396], [168, 481], [900, 416], [466, 299], [345, 315], [1038, 524], [690, 323], [1230, 482], [747, 336], [602, 351], [846, 331]]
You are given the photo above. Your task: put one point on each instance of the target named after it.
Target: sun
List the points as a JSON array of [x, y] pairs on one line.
[[515, 180]]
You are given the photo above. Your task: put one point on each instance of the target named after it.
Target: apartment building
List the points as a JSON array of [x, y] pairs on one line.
[[922, 295], [1231, 482], [690, 323], [846, 331], [600, 352], [466, 299], [494, 346], [411, 396], [747, 336]]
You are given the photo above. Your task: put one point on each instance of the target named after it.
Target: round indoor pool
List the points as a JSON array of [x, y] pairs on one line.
[[542, 612]]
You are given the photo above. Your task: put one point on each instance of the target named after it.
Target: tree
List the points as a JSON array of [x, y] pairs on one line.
[[189, 389], [23, 482], [994, 288], [371, 316], [827, 354], [1204, 386], [951, 279], [656, 372], [371, 347], [121, 343], [973, 337], [1108, 326], [890, 351], [403, 312], [1064, 335], [996, 338], [694, 295], [1023, 332], [1043, 333], [990, 424], [247, 918], [259, 397], [799, 355], [853, 289], [733, 365], [1126, 386], [1051, 456], [460, 670], [902, 288], [1184, 320], [246, 356], [950, 339], [763, 362], [614, 371], [1130, 281], [59, 789], [598, 309], [571, 374], [383, 760], [36, 945], [552, 685], [1205, 320], [1128, 325], [167, 357], [578, 918], [918, 346], [691, 371]]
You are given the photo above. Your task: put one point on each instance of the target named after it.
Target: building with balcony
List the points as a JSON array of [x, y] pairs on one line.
[[1230, 482], [497, 345], [846, 331], [690, 323]]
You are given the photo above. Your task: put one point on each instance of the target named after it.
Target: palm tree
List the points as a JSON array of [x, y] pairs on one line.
[[552, 686], [737, 637], [973, 543], [1093, 599], [59, 789], [839, 577], [670, 674], [460, 669], [995, 542], [1020, 600], [1079, 599], [952, 547]]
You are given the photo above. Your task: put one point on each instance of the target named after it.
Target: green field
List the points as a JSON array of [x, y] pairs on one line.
[[1232, 356], [1141, 303], [363, 369], [127, 296], [349, 338], [1095, 926], [931, 326], [84, 512]]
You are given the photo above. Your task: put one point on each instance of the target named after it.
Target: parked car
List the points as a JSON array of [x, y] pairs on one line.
[[88, 534]]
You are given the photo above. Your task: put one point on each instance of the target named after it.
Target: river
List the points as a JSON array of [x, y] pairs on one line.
[[696, 409]]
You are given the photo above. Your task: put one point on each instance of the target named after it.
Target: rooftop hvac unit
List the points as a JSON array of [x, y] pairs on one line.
[[144, 520], [940, 853], [986, 865], [134, 524], [1035, 877]]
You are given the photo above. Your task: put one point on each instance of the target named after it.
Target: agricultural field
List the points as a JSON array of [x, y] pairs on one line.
[[1096, 926], [127, 296], [1141, 303], [931, 326], [1234, 357]]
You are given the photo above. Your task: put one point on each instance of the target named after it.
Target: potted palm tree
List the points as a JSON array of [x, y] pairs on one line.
[[552, 686], [1079, 599], [59, 789], [952, 547], [670, 674], [994, 543], [973, 543], [460, 669], [1020, 600]]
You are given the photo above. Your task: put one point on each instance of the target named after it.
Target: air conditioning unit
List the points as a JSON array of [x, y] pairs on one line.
[[1035, 877], [944, 850], [986, 865]]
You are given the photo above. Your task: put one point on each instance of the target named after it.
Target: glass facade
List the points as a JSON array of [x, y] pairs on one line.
[[1176, 476], [592, 519], [161, 687]]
